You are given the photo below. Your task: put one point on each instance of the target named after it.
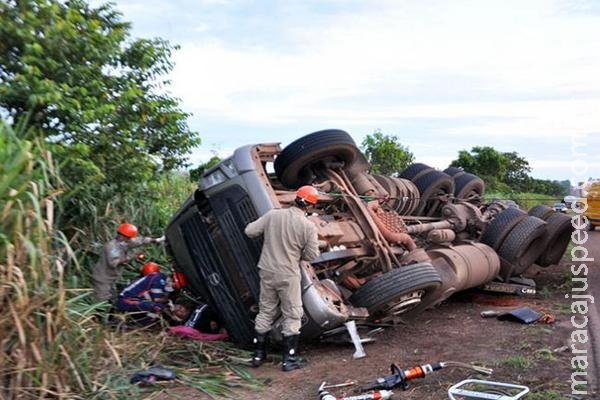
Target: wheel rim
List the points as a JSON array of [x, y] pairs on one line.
[[405, 303]]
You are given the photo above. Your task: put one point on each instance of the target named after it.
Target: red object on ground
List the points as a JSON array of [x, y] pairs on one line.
[[189, 332]]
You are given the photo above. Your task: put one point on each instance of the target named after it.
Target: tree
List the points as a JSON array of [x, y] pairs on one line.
[[517, 172], [486, 162], [196, 173], [74, 72], [557, 189], [385, 153], [500, 171]]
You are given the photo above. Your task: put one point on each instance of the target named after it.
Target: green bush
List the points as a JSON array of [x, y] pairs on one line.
[[525, 200]]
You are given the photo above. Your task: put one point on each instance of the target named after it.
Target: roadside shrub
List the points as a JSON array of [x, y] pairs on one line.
[[525, 200], [38, 356], [52, 345]]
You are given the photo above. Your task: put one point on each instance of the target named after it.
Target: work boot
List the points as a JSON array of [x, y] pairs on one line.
[[260, 348], [291, 361]]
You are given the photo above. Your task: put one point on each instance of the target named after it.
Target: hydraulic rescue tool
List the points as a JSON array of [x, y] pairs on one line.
[[400, 377]]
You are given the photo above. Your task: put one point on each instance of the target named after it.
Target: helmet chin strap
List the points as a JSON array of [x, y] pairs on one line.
[[300, 202]]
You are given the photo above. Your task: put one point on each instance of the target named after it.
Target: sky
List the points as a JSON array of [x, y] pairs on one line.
[[441, 76]]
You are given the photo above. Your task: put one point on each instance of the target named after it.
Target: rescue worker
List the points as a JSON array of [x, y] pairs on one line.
[[148, 293], [288, 238], [115, 254]]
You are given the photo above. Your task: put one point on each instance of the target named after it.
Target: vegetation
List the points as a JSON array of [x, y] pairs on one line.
[[73, 71], [547, 395], [197, 172], [520, 362], [525, 200], [47, 304], [385, 153], [507, 172], [89, 138]]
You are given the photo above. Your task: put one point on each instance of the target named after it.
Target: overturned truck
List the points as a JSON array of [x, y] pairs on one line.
[[395, 245]]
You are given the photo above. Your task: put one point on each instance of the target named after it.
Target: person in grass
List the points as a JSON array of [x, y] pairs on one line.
[[199, 316], [116, 253], [148, 294]]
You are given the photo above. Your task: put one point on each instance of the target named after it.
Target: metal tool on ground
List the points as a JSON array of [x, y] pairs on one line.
[[337, 385], [360, 351], [489, 390], [377, 395], [400, 377], [490, 313]]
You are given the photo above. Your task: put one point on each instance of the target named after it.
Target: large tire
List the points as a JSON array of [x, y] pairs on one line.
[[292, 166], [469, 187], [497, 230], [383, 294], [404, 195], [433, 187], [415, 170], [541, 211], [522, 246], [556, 240], [410, 193], [454, 172]]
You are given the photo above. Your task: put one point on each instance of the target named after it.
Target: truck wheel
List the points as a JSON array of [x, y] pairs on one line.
[[410, 195], [468, 187], [523, 245], [541, 211], [292, 165], [399, 290], [495, 232], [404, 195], [454, 172], [435, 187], [557, 239], [414, 171]]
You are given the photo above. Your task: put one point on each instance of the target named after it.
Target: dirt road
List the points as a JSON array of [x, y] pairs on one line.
[[538, 355]]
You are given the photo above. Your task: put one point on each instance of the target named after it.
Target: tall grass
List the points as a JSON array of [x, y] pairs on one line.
[[33, 257], [51, 345]]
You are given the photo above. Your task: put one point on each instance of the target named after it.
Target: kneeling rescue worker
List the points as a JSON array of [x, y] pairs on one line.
[[148, 293], [288, 238]]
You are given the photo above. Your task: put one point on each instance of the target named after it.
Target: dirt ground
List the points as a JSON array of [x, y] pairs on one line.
[[537, 355]]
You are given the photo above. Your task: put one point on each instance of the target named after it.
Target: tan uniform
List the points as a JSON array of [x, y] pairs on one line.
[[288, 238], [109, 268]]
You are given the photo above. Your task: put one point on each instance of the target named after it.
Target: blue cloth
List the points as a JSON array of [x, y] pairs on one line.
[[149, 287], [144, 294]]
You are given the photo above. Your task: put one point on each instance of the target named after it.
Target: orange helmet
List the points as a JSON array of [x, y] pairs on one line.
[[150, 268], [127, 230], [308, 193], [179, 280]]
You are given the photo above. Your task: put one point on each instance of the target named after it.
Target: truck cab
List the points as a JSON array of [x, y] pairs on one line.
[[592, 206]]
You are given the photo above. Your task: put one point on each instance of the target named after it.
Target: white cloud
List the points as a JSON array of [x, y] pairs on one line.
[[524, 71], [361, 55]]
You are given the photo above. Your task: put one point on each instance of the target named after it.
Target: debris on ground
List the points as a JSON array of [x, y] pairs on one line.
[[149, 376]]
